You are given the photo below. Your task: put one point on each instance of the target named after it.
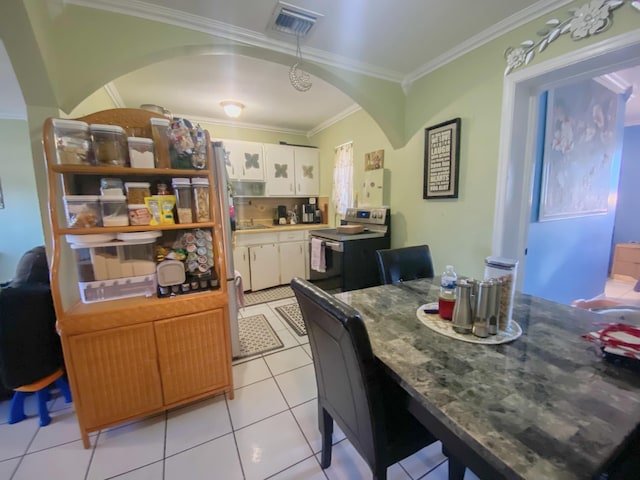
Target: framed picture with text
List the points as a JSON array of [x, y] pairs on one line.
[[442, 160]]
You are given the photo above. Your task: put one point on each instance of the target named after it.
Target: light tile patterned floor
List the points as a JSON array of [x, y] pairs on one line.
[[268, 431]]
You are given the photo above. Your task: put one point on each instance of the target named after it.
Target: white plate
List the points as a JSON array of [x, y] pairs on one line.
[[445, 327]]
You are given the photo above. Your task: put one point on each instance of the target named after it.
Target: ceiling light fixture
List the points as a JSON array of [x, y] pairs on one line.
[[300, 80], [231, 108]]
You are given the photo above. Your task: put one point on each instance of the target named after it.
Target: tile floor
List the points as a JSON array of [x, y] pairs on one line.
[[268, 431], [620, 289]]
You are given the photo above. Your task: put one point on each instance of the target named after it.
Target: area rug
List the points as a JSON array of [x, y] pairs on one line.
[[257, 336], [292, 315], [268, 295]]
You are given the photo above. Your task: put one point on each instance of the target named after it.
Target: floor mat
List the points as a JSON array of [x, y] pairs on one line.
[[268, 295], [291, 313], [257, 336]]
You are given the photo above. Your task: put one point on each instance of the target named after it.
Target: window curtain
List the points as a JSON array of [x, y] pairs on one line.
[[343, 178]]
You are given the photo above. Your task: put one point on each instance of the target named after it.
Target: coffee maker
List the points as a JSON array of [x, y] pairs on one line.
[[280, 215], [308, 211]]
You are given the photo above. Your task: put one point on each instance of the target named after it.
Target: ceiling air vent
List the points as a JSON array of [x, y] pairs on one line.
[[292, 20]]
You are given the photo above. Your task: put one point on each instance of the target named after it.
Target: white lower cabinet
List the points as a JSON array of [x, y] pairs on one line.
[[265, 267], [292, 261], [241, 264]]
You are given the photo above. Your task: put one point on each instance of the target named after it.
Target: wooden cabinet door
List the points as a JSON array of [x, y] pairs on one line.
[[244, 160], [241, 264], [116, 374], [265, 266], [307, 167], [292, 261], [193, 354], [280, 170]]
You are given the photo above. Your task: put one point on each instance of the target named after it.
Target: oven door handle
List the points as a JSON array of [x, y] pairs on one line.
[[335, 246]]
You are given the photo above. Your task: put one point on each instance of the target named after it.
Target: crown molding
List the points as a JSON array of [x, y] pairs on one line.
[[615, 83], [178, 18], [335, 119], [114, 94], [235, 123], [516, 20]]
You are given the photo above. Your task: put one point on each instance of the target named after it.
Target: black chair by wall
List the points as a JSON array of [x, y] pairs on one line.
[[353, 388], [30, 349], [403, 264]]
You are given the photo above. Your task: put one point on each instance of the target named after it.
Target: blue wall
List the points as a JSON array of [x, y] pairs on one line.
[[627, 228], [568, 258]]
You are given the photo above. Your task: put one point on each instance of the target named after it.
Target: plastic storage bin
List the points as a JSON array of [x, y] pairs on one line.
[[201, 199], [114, 211], [503, 270], [116, 269], [82, 211], [139, 214], [109, 145], [137, 191], [73, 142], [182, 191], [141, 152], [160, 133]]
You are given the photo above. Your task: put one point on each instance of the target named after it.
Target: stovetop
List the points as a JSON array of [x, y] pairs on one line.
[[332, 234]]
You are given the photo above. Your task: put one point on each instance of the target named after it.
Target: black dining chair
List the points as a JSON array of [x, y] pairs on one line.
[[403, 264], [353, 389]]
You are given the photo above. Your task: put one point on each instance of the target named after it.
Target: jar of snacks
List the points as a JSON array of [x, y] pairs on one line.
[[73, 142], [504, 271], [82, 211], [109, 145], [182, 191], [161, 137], [201, 199], [137, 191], [139, 214]]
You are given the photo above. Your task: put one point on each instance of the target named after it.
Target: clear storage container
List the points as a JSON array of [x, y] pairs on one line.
[[201, 199], [114, 211], [160, 133], [137, 191], [139, 214], [111, 186], [503, 270], [109, 145], [82, 211], [73, 142], [182, 191], [141, 152], [116, 269]]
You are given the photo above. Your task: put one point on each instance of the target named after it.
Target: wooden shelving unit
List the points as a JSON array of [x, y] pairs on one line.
[[134, 357]]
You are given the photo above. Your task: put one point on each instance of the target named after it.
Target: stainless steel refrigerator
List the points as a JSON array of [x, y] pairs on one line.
[[224, 204]]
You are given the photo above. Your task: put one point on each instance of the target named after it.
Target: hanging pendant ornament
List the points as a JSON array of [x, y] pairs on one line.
[[300, 80]]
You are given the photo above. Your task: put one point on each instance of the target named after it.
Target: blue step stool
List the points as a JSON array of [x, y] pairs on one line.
[[41, 389]]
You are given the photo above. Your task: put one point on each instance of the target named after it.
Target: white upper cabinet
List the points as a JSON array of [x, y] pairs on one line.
[[292, 171], [244, 160], [307, 168], [280, 170]]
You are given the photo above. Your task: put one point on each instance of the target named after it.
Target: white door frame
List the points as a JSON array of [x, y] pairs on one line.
[[518, 131]]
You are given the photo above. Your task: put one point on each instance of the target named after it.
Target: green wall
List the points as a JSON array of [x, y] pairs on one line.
[[20, 218]]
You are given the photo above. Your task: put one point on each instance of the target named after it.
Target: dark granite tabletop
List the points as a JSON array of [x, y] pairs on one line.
[[545, 406]]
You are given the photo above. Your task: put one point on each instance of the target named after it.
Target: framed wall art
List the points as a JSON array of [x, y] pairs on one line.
[[442, 160], [579, 148]]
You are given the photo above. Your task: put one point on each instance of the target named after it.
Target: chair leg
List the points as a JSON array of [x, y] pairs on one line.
[[42, 396], [16, 408], [456, 469], [326, 429], [62, 384]]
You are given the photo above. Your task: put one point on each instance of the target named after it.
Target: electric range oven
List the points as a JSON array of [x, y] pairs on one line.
[[350, 259]]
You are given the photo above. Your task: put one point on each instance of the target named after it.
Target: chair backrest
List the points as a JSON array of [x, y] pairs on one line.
[[403, 264], [346, 369]]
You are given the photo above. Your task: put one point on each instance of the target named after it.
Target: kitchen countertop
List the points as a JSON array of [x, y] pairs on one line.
[[282, 228]]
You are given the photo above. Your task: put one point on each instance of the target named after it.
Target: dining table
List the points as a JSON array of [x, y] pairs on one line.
[[546, 405]]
